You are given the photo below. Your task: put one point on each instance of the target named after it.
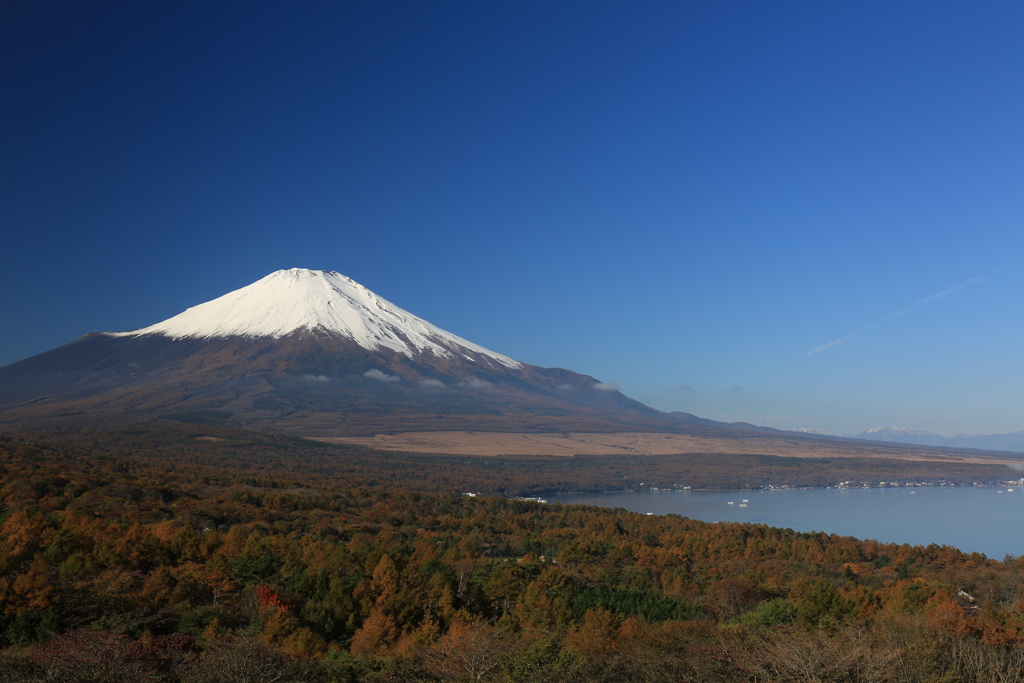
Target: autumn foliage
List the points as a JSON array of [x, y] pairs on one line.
[[162, 565]]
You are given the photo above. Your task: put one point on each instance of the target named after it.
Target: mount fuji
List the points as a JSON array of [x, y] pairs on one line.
[[309, 352]]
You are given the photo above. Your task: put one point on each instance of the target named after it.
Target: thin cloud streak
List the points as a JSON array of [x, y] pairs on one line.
[[825, 347], [934, 297]]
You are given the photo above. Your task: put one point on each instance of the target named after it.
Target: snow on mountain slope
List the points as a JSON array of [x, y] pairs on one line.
[[901, 435], [301, 300], [1014, 441], [816, 432]]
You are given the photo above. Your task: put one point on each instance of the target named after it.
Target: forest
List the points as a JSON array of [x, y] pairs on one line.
[[186, 553]]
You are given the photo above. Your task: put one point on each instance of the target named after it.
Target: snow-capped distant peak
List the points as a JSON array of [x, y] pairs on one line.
[[816, 432], [296, 300], [893, 430], [900, 435]]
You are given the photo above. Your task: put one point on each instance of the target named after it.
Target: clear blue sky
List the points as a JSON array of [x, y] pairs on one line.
[[686, 198]]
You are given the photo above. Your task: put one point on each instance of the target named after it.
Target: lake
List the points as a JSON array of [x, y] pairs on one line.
[[984, 519]]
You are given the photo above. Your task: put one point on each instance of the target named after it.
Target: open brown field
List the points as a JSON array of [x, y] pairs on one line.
[[642, 443]]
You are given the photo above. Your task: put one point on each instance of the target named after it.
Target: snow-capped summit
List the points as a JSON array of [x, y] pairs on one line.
[[901, 435], [309, 352], [815, 432], [300, 300]]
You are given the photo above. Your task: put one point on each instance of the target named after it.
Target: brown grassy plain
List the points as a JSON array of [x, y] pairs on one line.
[[644, 443]]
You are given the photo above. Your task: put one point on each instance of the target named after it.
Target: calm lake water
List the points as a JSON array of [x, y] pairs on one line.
[[973, 519]]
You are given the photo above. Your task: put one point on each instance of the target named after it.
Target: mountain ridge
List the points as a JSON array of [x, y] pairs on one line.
[[298, 300], [1012, 442], [311, 352]]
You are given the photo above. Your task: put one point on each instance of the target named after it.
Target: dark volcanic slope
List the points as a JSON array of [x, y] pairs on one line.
[[308, 383]]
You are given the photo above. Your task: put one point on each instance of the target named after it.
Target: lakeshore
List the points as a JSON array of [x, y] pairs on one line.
[[984, 519]]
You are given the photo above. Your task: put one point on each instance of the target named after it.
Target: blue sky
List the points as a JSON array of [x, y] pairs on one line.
[[684, 198]]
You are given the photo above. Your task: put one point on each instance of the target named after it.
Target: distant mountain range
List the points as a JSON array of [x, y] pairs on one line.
[[1013, 442]]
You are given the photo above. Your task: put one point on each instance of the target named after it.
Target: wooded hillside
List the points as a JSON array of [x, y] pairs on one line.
[[172, 555]]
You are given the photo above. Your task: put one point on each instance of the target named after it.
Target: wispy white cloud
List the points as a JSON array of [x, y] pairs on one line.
[[831, 344], [606, 386], [935, 297], [431, 383], [381, 376], [317, 378], [927, 300]]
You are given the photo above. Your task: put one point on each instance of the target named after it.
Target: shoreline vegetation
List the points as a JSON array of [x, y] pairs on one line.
[[169, 552]]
